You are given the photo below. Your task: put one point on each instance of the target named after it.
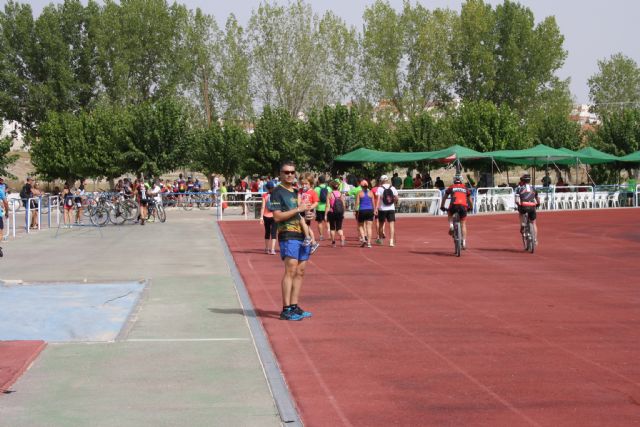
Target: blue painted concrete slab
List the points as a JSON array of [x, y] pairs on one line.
[[66, 311]]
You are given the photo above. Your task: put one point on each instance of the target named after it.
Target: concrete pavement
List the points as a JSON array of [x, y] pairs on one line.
[[186, 357]]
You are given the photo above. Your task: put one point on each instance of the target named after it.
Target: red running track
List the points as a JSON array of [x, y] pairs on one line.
[[15, 358], [412, 335]]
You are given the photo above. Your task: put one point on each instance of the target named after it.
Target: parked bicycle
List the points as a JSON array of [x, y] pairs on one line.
[[156, 211]]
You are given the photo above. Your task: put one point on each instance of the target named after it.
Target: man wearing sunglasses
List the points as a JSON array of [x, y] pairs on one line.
[[287, 207]]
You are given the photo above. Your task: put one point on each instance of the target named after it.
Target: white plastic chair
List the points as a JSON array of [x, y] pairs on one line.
[[613, 199]]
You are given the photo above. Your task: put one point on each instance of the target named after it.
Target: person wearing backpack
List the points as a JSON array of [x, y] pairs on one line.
[[322, 190], [335, 214], [386, 209]]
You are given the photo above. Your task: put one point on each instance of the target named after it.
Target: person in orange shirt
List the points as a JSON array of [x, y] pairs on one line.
[[460, 202], [308, 196]]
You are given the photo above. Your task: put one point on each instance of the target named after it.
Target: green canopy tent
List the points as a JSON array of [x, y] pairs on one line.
[[455, 153], [449, 154], [540, 155], [593, 156], [633, 157]]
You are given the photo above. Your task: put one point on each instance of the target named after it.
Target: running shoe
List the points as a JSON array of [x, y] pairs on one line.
[[343, 242], [273, 252], [300, 312], [333, 244], [363, 244], [314, 247], [464, 244], [378, 241], [290, 315], [392, 243], [368, 245], [306, 242], [1, 254]]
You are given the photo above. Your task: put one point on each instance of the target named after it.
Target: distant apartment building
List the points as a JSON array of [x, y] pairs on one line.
[[582, 115]]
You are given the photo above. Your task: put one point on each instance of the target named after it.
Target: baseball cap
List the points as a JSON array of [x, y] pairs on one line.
[[384, 178]]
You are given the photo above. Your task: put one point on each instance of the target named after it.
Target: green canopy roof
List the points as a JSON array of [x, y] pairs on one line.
[[592, 156], [451, 153], [539, 155], [633, 157]]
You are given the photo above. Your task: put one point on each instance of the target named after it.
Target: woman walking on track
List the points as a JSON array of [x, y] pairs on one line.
[[364, 201], [266, 218], [335, 213]]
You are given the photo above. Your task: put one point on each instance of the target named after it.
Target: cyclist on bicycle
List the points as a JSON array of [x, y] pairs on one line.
[[460, 202], [527, 201]]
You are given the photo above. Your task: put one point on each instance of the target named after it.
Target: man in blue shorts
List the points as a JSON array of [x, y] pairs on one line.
[[287, 207]]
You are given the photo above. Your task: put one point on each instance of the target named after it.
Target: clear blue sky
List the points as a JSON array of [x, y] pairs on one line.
[[593, 29]]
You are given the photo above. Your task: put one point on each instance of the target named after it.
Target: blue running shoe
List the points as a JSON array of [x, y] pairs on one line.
[[300, 312], [290, 315]]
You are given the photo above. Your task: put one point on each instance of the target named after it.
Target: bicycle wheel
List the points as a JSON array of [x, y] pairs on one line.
[[457, 235], [532, 239], [130, 210], [162, 215], [116, 214], [99, 216]]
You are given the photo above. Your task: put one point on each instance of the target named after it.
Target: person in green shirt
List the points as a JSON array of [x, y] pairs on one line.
[[322, 190], [408, 182]]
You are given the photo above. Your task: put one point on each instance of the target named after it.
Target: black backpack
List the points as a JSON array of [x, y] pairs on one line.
[[387, 197], [323, 194], [338, 206]]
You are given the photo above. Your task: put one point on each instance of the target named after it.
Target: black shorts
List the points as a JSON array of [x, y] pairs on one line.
[[270, 228], [320, 216], [335, 221], [364, 216], [144, 202], [460, 209], [389, 216], [1, 223], [528, 210]]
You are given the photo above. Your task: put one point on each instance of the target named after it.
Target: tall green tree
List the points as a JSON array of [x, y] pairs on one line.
[[142, 50], [619, 133], [62, 151], [276, 137], [483, 126], [299, 60], [219, 150], [330, 132], [405, 56], [46, 64], [6, 159], [159, 136], [616, 85], [232, 83], [423, 132], [502, 55], [559, 132]]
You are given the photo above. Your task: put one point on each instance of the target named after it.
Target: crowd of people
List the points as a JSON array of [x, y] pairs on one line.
[[292, 202]]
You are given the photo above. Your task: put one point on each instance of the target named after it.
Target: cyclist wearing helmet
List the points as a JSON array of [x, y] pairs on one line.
[[527, 201], [460, 202]]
